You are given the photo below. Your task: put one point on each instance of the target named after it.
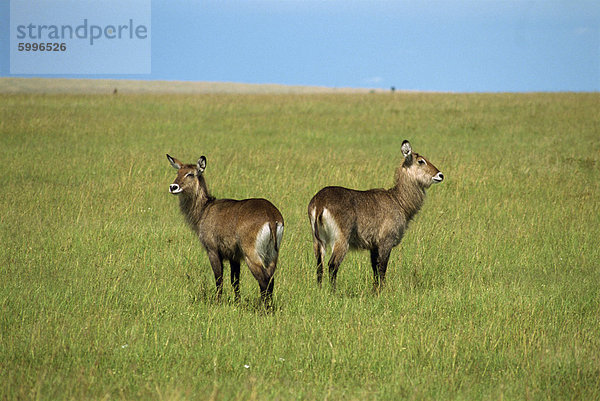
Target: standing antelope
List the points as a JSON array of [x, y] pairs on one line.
[[249, 229], [375, 219]]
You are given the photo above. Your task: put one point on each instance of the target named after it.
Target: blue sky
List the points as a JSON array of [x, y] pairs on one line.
[[449, 45]]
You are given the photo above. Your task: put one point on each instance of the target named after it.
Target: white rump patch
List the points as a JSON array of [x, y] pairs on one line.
[[264, 248], [329, 231]]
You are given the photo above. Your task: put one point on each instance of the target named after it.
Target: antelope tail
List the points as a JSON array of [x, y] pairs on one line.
[[317, 221], [276, 229]]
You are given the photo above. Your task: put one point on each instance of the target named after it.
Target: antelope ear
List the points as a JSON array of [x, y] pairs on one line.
[[174, 162], [406, 150], [201, 164]]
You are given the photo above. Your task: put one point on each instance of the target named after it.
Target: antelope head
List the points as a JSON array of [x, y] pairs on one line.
[[419, 168], [187, 180]]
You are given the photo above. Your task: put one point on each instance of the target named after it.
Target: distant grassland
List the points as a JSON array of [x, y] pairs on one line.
[[493, 294], [124, 86]]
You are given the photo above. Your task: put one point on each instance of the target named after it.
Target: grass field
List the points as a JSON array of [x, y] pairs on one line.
[[493, 294]]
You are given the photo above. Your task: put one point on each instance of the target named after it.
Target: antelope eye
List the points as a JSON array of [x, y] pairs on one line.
[[422, 162], [189, 175]]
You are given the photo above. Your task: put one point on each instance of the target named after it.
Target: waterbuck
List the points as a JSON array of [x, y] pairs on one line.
[[375, 219], [249, 229]]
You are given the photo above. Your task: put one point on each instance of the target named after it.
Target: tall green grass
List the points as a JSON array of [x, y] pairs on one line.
[[493, 293]]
